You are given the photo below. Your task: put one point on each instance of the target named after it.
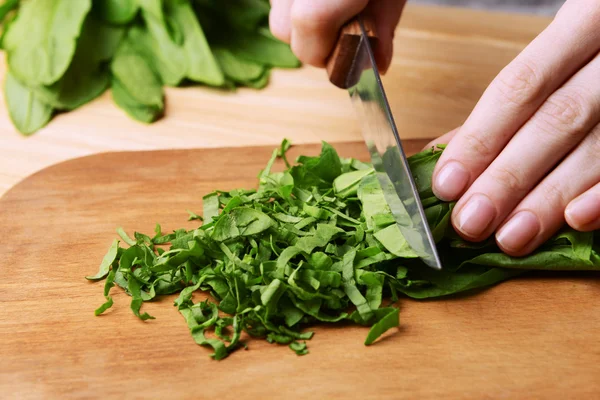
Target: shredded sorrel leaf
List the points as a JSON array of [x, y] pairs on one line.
[[313, 244]]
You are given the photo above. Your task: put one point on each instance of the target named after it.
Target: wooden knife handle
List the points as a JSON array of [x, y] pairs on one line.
[[340, 61]]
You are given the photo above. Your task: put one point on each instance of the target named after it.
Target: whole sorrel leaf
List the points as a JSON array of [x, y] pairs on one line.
[[60, 52], [433, 283], [236, 68], [168, 57], [127, 102], [26, 110], [87, 76], [31, 43], [136, 77], [201, 64], [118, 12], [254, 46]]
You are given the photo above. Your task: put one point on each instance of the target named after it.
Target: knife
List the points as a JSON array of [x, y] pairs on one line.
[[352, 66]]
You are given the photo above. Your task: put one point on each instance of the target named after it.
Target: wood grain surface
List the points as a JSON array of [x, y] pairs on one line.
[[535, 337], [444, 59]]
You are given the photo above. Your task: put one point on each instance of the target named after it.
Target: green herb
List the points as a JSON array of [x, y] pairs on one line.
[[63, 54], [87, 77], [117, 12], [136, 78], [8, 12], [193, 216], [31, 43], [299, 348], [313, 244], [27, 111]]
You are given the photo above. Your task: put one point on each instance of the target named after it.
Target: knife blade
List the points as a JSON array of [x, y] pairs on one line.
[[352, 66]]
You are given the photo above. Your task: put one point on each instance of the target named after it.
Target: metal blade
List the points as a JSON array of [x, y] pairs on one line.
[[387, 154]]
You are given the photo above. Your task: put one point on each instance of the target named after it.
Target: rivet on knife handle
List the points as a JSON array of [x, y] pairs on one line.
[[342, 73]]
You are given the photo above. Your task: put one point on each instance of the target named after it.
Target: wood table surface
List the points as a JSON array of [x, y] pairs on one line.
[[535, 337], [444, 59]]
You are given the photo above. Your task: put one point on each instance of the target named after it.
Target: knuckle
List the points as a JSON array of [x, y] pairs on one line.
[[280, 32], [519, 84], [308, 18], [566, 111], [305, 54], [553, 194], [591, 10], [510, 179], [594, 143], [479, 145]]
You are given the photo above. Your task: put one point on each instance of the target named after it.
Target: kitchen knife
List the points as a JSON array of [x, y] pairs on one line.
[[352, 66]]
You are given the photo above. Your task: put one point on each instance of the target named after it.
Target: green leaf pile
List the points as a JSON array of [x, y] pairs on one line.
[[315, 243], [62, 54]]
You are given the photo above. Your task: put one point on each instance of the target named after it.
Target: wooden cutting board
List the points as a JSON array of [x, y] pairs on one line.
[[533, 337]]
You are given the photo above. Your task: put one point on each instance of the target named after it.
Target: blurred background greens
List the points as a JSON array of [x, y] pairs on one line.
[[62, 54]]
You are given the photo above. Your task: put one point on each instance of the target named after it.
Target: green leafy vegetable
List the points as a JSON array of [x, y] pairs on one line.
[[299, 348], [193, 216], [136, 110], [136, 78], [27, 111], [63, 54], [108, 260], [7, 7], [313, 244], [31, 43], [202, 66], [118, 12], [257, 47], [8, 13], [386, 318], [88, 76]]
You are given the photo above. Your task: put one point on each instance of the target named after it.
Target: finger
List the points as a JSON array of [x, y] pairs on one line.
[[315, 26], [280, 19], [560, 124], [542, 213], [444, 139], [387, 14], [583, 213], [569, 42]]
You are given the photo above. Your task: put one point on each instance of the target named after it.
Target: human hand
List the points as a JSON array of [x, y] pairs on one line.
[[527, 159], [311, 27]]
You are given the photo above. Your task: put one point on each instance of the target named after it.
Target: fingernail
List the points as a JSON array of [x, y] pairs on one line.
[[451, 181], [476, 216], [519, 231], [584, 210]]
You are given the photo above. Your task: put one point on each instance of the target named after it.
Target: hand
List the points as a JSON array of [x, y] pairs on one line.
[[527, 159], [312, 26]]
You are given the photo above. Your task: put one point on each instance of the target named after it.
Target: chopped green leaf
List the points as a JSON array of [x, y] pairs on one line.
[[299, 348], [107, 261], [387, 318], [316, 243]]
